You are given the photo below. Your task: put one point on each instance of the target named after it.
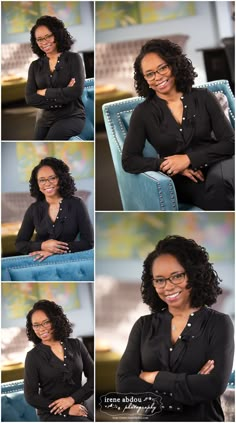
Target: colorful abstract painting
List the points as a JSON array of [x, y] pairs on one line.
[[134, 235], [78, 156], [115, 14], [20, 297], [20, 16]]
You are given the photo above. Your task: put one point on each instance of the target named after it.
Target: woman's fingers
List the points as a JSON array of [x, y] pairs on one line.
[[207, 368]]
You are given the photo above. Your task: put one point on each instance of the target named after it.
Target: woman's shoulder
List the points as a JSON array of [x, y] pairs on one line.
[[73, 200], [72, 56], [217, 315]]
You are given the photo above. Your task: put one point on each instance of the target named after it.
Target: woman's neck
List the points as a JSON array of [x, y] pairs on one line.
[[51, 343], [54, 55], [183, 312], [53, 200], [171, 97]]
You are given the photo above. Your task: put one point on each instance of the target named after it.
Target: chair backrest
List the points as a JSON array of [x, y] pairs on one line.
[[88, 100], [117, 114], [14, 407]]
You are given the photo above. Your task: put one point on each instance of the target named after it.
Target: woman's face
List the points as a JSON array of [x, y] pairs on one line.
[[174, 294], [42, 326], [48, 182], [45, 40], [162, 83]]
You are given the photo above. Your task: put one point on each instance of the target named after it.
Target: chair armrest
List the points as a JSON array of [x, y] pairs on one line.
[[150, 191], [62, 267]]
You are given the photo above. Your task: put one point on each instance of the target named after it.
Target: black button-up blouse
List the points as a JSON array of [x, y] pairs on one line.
[[60, 101], [152, 120], [185, 394], [48, 378], [72, 225]]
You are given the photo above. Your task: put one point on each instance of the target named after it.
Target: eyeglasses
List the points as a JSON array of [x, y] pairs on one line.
[[42, 39], [45, 325], [162, 70], [42, 181], [176, 279]]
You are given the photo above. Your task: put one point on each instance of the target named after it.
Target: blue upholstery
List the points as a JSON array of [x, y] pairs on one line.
[[15, 408], [149, 190], [64, 267], [88, 100], [13, 405]]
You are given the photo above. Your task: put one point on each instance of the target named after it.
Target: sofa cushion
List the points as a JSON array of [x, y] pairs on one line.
[[15, 408]]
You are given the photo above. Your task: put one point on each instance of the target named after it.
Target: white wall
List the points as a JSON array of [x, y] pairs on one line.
[[202, 30], [83, 33]]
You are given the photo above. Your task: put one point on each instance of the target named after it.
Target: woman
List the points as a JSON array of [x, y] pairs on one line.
[[54, 367], [183, 351], [55, 81], [61, 221], [178, 120]]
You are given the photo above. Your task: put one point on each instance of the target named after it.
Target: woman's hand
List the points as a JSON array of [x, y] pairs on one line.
[[148, 376], [61, 405], [40, 255], [175, 164], [194, 175], [207, 368], [42, 92], [54, 246], [78, 410], [71, 83]]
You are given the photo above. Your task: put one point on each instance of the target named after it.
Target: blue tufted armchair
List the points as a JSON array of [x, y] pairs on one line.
[[88, 99], [149, 190], [62, 267]]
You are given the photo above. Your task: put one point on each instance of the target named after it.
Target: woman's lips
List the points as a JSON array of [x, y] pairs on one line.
[[173, 297]]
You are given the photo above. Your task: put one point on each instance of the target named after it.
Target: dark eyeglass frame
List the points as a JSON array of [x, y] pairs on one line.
[[50, 179], [42, 39], [172, 280], [163, 69], [45, 324]]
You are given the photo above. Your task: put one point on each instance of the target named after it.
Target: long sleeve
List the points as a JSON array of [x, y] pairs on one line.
[[87, 389], [24, 245], [31, 96], [192, 389], [85, 239], [223, 146], [133, 160], [31, 385]]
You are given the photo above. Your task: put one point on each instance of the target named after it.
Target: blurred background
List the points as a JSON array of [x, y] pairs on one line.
[[18, 119], [204, 29], [18, 161], [76, 300], [123, 241]]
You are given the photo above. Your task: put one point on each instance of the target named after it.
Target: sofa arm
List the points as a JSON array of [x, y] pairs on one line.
[[64, 267], [150, 191], [14, 407]]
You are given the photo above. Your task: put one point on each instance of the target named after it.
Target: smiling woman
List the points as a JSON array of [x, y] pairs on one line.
[[55, 81], [56, 363], [60, 219], [177, 351], [185, 125]]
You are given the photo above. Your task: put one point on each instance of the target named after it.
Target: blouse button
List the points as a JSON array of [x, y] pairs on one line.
[[189, 324], [192, 314], [182, 97], [181, 129], [179, 336], [57, 217], [53, 226], [60, 209], [65, 348], [64, 364], [185, 106], [65, 356], [183, 118], [170, 406], [171, 349]]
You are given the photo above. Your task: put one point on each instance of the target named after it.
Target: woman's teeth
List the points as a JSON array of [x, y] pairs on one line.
[[172, 296]]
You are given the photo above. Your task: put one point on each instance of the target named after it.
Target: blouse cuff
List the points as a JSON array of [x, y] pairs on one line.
[[165, 381], [198, 159]]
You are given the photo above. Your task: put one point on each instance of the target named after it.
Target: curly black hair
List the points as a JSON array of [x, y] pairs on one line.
[[63, 39], [60, 324], [181, 67], [202, 278], [66, 183]]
